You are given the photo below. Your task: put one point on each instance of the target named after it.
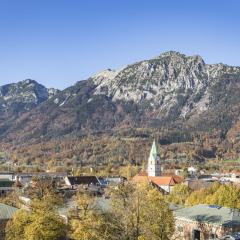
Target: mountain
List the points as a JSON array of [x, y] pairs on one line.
[[173, 94], [17, 98]]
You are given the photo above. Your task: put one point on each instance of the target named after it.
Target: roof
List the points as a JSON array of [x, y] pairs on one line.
[[6, 211], [212, 214], [166, 180], [161, 180], [85, 180], [140, 177]]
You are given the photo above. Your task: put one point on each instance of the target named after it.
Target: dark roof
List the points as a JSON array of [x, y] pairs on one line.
[[84, 180], [6, 173]]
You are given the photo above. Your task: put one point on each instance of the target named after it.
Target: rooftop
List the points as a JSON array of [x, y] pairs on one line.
[[161, 180], [6, 211], [212, 214], [83, 180]]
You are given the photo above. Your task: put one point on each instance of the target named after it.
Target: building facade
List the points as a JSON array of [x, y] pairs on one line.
[[203, 221]]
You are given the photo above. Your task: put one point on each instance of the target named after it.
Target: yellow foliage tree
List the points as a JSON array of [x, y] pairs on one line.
[[42, 222]]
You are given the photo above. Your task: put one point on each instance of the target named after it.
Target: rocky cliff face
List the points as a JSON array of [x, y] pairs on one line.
[[25, 93], [171, 90], [164, 82]]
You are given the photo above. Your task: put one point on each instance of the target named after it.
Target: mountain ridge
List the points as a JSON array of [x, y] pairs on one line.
[[170, 91]]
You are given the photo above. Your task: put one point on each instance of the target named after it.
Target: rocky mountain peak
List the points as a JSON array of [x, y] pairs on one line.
[[153, 80], [23, 95], [171, 78]]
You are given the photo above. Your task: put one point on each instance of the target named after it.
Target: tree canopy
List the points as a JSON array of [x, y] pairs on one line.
[[41, 222]]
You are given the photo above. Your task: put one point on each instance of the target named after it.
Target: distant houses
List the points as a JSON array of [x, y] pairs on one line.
[[154, 174], [26, 178]]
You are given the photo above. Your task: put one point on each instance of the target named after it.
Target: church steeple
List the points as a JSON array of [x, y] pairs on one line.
[[154, 167]]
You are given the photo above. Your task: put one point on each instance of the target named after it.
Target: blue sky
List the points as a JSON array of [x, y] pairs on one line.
[[59, 42]]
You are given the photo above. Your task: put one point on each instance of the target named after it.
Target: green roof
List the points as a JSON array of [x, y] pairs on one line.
[[6, 211], [212, 214], [154, 151]]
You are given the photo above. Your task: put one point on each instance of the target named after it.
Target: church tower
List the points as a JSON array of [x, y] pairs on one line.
[[154, 167]]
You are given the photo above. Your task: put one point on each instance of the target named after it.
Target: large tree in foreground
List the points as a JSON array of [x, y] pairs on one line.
[[157, 221], [42, 222], [141, 213], [136, 212]]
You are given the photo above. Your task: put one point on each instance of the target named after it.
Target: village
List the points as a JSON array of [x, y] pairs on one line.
[[191, 221]]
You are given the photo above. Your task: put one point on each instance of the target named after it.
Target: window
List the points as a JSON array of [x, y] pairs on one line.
[[196, 235]]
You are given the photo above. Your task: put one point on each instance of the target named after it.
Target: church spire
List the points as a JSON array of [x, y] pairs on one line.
[[154, 167]]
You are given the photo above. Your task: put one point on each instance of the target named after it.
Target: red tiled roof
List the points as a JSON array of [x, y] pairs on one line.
[[161, 180], [140, 178], [168, 181]]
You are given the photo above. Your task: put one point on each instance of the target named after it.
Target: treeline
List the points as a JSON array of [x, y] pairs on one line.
[[225, 195], [122, 149]]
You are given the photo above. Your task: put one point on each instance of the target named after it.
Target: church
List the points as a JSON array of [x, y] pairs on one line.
[[154, 174]]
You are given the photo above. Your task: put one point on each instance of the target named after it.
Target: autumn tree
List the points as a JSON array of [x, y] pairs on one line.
[[141, 213], [15, 228], [89, 222], [41, 222], [179, 194], [226, 195], [156, 218]]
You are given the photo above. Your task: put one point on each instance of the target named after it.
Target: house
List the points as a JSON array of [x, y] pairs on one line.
[[231, 178], [111, 180], [26, 178], [197, 184], [7, 175], [6, 186], [6, 213], [90, 184], [81, 180], [154, 173], [192, 170], [164, 183], [206, 222]]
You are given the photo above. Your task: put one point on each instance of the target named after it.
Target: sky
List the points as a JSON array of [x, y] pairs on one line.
[[59, 42]]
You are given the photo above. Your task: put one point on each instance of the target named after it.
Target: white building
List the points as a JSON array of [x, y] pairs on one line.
[[192, 170]]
